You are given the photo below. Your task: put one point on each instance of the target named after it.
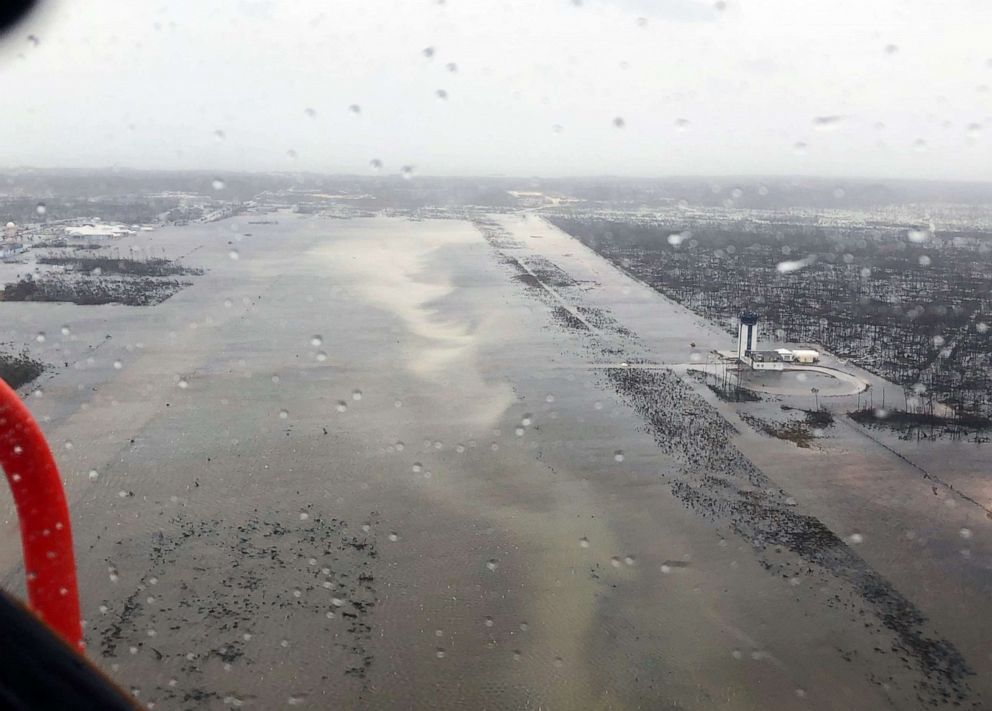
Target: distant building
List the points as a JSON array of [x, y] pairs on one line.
[[749, 355]]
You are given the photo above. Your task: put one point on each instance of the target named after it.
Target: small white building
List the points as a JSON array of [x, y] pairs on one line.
[[805, 355], [747, 352]]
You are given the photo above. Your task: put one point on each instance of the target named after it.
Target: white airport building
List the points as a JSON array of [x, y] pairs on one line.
[[775, 359]]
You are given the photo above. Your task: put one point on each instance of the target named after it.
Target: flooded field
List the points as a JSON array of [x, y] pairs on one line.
[[381, 462]]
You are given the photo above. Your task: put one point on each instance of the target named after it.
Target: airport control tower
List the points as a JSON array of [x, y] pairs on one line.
[[748, 334]]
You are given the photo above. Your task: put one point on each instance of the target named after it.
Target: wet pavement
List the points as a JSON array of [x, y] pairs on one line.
[[378, 463]]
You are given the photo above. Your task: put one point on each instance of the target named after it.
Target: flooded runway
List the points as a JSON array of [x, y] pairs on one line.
[[365, 464]]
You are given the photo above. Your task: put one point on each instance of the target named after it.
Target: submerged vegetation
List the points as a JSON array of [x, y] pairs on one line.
[[18, 368]]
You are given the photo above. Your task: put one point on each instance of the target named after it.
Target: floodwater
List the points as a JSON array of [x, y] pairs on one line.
[[366, 464]]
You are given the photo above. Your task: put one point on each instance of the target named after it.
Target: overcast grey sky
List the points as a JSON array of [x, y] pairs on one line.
[[881, 88]]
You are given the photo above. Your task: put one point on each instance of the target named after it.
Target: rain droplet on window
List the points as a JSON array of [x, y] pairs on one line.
[[827, 123], [217, 184], [856, 538], [94, 474], [919, 145], [441, 94], [451, 67], [407, 172], [233, 254], [375, 164], [356, 395], [341, 406], [891, 49], [310, 112], [316, 341], [355, 109], [427, 52], [40, 337], [618, 456], [40, 208], [283, 414], [619, 122]]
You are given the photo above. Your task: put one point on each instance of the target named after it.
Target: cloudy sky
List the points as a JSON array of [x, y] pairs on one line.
[[872, 88]]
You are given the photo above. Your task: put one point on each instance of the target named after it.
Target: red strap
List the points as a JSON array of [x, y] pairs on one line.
[[44, 516]]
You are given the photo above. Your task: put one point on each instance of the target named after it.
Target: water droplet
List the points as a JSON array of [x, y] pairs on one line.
[[375, 164], [283, 414], [355, 109], [94, 474], [800, 147], [891, 49], [182, 383], [918, 236], [40, 337], [341, 406], [292, 154], [321, 356], [233, 254], [118, 365], [65, 331], [619, 122], [304, 516], [217, 184], [794, 265], [618, 456], [519, 431], [924, 260], [40, 208], [356, 395], [441, 94], [219, 135], [549, 398], [827, 123], [407, 172], [393, 536], [310, 112], [427, 52], [919, 145], [492, 564], [965, 533], [451, 67], [855, 538]]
